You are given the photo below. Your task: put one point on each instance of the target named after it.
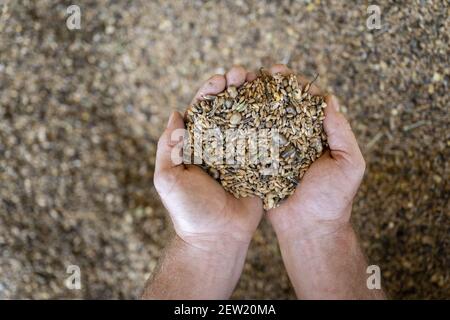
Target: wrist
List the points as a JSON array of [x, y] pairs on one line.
[[330, 266], [213, 249], [325, 236], [188, 271], [301, 225]]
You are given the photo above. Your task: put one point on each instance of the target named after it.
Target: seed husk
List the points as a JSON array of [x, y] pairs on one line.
[[235, 118], [232, 91], [288, 153]]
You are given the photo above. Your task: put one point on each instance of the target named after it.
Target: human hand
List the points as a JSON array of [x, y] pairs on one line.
[[322, 202], [319, 247], [203, 213]]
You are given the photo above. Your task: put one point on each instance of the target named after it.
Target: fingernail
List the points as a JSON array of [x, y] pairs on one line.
[[171, 119], [334, 103]]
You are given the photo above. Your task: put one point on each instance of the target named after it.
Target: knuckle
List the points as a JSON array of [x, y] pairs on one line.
[[280, 68], [279, 65], [157, 179], [162, 141], [163, 180], [360, 165], [238, 68], [216, 78], [160, 181]]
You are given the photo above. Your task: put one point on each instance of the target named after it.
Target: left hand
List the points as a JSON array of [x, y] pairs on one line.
[[203, 213]]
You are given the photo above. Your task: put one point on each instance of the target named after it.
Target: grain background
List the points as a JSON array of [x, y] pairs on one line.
[[81, 111]]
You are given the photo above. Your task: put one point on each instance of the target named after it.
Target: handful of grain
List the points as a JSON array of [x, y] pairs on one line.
[[265, 135]]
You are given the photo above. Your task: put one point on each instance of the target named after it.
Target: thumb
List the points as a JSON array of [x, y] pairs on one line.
[[342, 141], [170, 144]]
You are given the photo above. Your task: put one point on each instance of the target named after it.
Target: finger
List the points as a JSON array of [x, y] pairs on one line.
[[280, 68], [341, 140], [236, 76], [250, 76], [213, 85], [168, 154], [303, 81], [313, 89]]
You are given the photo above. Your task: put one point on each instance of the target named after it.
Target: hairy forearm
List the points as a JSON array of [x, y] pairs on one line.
[[192, 272], [331, 266]]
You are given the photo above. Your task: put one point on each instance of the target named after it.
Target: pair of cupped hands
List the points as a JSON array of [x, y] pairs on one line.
[[208, 218]]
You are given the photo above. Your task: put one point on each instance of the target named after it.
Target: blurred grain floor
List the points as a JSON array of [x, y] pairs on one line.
[[80, 112]]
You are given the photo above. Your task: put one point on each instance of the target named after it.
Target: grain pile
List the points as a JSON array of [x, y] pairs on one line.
[[265, 135], [81, 112]]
